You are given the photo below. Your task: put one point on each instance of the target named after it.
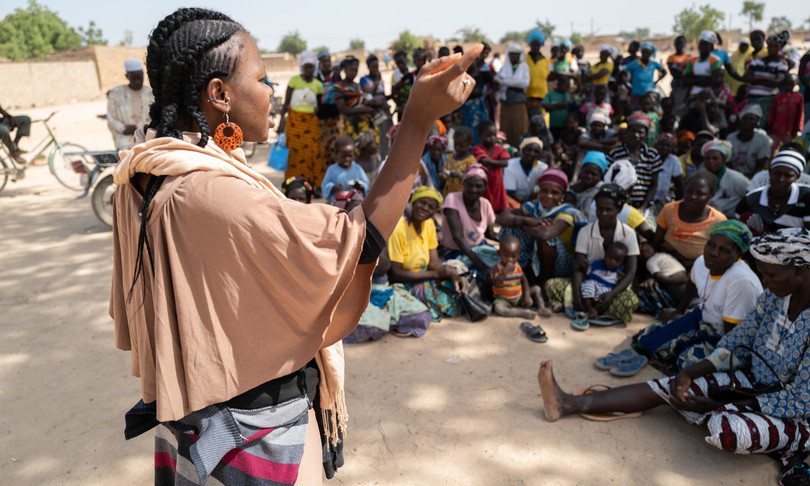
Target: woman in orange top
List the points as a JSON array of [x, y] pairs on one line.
[[684, 226]]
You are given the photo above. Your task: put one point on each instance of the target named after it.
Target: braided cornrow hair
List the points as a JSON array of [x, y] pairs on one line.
[[186, 50]]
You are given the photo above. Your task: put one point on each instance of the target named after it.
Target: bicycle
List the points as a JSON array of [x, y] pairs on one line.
[[70, 163]]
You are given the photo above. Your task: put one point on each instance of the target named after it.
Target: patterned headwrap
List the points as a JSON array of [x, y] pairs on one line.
[[614, 192], [529, 141], [685, 136], [425, 191], [722, 146], [554, 176], [537, 35], [736, 231], [598, 116], [666, 136], [650, 46], [596, 158], [639, 118], [788, 246], [790, 159], [476, 170], [441, 140], [708, 36], [307, 57], [348, 61]]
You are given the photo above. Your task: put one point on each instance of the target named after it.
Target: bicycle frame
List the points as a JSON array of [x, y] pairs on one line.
[[40, 147]]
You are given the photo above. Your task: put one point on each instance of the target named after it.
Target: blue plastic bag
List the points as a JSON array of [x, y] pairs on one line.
[[279, 153]]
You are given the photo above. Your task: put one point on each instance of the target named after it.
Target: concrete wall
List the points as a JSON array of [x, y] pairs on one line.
[[43, 83]]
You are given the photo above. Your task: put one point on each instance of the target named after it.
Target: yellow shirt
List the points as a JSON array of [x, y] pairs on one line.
[[409, 249], [538, 72], [738, 60], [600, 66]]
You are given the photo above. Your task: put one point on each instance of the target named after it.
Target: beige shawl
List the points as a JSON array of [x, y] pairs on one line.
[[247, 285]]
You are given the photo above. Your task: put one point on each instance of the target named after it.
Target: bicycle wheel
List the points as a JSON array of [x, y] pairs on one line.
[[4, 172], [102, 199], [70, 165]]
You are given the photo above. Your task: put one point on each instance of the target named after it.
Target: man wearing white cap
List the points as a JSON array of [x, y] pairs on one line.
[[128, 105]]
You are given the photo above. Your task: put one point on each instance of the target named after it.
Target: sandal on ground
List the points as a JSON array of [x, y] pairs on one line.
[[534, 333], [581, 323], [612, 359], [629, 367], [605, 321], [607, 416], [794, 471]]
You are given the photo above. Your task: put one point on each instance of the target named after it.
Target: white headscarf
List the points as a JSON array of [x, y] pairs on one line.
[[307, 57]]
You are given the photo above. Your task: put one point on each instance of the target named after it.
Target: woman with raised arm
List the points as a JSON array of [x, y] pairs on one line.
[[231, 298]]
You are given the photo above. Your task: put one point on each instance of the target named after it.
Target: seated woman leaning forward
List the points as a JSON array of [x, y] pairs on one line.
[[546, 228], [592, 242], [415, 262], [683, 226], [727, 289], [468, 220], [770, 367]]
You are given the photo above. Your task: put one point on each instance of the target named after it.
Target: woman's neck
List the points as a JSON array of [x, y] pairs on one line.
[[691, 215], [607, 227], [799, 301], [778, 194]]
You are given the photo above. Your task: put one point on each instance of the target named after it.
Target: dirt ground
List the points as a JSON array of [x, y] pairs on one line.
[[458, 406]]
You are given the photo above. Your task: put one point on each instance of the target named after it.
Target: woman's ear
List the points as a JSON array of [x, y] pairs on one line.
[[216, 95]]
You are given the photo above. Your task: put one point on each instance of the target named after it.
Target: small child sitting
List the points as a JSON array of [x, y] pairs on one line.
[[510, 286], [603, 275]]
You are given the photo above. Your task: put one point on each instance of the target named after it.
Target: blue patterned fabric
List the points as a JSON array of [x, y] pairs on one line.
[[783, 345]]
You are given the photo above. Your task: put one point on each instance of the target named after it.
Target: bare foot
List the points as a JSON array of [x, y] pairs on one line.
[[555, 401], [557, 308], [544, 312]]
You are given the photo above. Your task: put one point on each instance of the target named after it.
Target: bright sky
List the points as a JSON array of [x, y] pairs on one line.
[[333, 23]]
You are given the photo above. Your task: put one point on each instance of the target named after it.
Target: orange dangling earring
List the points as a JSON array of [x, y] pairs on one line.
[[228, 135]]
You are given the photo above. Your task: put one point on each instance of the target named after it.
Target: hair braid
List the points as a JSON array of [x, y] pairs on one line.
[[151, 189]]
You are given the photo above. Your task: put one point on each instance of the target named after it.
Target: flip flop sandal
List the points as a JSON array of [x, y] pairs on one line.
[[534, 333], [580, 324], [629, 367], [612, 359], [607, 416], [605, 321]]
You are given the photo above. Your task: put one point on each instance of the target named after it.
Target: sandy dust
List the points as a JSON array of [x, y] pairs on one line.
[[415, 417]]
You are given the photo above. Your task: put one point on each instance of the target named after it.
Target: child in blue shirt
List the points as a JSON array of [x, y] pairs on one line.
[[345, 174]]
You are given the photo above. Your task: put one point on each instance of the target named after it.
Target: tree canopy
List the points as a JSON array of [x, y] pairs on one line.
[[93, 35], [690, 22], [407, 42], [35, 31], [754, 11], [472, 34], [357, 44], [639, 33], [292, 43], [779, 24]]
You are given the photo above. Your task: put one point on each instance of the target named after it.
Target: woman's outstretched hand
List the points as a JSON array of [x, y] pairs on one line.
[[442, 86]]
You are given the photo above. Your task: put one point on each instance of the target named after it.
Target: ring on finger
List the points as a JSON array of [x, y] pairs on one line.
[[466, 81]]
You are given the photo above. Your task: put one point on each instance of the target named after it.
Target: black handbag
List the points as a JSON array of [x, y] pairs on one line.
[[475, 300], [735, 392]]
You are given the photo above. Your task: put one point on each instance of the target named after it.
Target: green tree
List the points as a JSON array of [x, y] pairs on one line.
[[292, 43], [576, 38], [407, 42], [357, 44], [126, 38], [690, 22], [92, 35], [778, 24], [547, 27], [472, 34], [33, 32], [320, 48], [754, 11], [639, 33], [513, 36]]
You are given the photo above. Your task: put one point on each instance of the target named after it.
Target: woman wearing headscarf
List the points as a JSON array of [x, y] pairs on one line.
[[727, 289], [514, 79], [474, 109], [731, 184], [546, 228], [563, 63], [521, 173], [374, 87], [303, 132], [367, 153], [331, 123], [592, 242], [415, 263], [766, 354], [780, 204], [539, 69], [351, 101], [468, 219], [594, 166]]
